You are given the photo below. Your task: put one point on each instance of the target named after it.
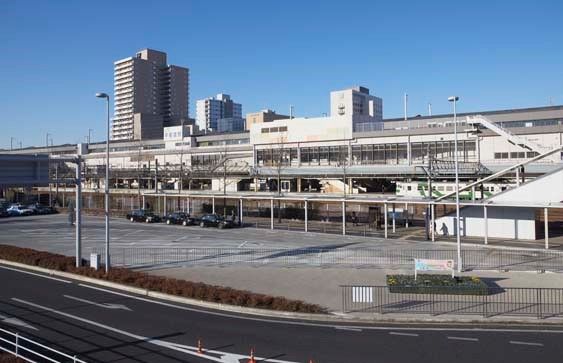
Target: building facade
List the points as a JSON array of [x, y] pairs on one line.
[[149, 95], [212, 109], [261, 117]]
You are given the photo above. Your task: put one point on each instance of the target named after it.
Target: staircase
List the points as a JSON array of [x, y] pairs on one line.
[[507, 135]]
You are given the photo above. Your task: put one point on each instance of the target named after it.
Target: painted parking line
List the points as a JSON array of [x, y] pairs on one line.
[[516, 342], [464, 339], [403, 334], [347, 329]]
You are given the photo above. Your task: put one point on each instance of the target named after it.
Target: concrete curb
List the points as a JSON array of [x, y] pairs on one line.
[[333, 317]]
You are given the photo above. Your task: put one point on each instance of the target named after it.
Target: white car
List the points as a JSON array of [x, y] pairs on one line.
[[19, 210]]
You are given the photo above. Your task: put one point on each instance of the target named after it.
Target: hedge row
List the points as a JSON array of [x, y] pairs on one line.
[[9, 358], [188, 289]]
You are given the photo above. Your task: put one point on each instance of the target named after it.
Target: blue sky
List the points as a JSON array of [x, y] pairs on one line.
[[54, 55]]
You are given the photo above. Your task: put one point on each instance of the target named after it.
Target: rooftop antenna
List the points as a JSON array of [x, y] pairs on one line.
[[429, 109], [290, 112]]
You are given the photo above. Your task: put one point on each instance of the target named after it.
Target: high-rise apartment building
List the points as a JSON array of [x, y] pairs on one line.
[[212, 109], [149, 95]]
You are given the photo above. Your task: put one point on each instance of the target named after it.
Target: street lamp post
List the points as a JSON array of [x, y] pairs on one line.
[[12, 143], [104, 95], [454, 100], [47, 139], [90, 135]]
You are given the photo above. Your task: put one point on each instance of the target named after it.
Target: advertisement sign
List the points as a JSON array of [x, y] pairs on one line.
[[421, 264]]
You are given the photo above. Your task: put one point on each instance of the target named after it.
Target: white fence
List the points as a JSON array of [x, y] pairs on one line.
[[31, 351]]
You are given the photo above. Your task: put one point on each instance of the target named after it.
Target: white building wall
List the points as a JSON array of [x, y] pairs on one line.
[[502, 222]]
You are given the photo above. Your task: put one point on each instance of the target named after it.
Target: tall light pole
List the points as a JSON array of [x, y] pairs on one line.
[[12, 143], [104, 95], [47, 139], [90, 134], [454, 99]]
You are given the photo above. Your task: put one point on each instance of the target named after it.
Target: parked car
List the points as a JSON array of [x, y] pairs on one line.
[[40, 209], [45, 209], [4, 213], [19, 210], [215, 220], [181, 218], [143, 215]]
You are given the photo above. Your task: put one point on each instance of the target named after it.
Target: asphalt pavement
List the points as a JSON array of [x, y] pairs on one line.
[[101, 325]]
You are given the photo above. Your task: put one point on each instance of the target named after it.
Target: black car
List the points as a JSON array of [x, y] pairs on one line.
[[215, 220], [4, 213], [143, 215], [181, 218]]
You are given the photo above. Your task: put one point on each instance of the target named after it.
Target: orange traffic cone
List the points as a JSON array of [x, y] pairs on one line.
[[252, 360], [199, 347]]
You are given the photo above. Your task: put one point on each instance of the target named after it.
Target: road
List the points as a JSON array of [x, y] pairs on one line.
[[101, 325]]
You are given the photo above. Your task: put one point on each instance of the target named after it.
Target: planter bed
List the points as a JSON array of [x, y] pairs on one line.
[[437, 284]]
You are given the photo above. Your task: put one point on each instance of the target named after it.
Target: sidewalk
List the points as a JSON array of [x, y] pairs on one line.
[[321, 286]]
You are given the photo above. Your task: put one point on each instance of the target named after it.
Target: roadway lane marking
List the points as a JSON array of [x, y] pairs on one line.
[[403, 334], [100, 305], [223, 357], [347, 329], [16, 322], [35, 274], [464, 339], [526, 343], [320, 325]]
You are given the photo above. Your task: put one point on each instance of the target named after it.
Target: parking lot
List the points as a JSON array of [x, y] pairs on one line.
[[53, 233]]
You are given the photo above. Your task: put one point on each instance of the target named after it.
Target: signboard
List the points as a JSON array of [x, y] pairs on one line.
[[421, 264], [362, 294]]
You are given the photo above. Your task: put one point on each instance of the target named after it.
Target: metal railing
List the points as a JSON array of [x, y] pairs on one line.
[[31, 351], [334, 256], [539, 303]]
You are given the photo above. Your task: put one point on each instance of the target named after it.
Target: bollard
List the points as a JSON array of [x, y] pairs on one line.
[[199, 347], [251, 360]]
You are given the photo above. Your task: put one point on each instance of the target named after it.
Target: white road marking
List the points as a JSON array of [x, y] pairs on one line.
[[301, 323], [526, 343], [16, 322], [218, 356], [464, 339], [348, 329], [100, 305], [403, 334], [36, 274]]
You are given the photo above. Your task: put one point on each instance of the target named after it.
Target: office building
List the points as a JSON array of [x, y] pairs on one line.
[[365, 110], [261, 117], [212, 109], [149, 95]]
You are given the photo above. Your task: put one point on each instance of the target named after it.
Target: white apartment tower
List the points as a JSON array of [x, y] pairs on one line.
[[149, 95], [213, 109]]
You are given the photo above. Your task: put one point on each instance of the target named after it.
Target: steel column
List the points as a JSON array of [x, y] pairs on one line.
[[78, 211], [546, 226], [272, 213], [486, 221], [385, 218], [306, 216], [344, 216]]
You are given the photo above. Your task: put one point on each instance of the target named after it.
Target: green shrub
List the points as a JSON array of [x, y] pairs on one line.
[[437, 284]]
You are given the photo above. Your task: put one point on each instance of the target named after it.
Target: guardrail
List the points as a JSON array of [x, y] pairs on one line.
[[540, 303], [31, 351], [473, 259]]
